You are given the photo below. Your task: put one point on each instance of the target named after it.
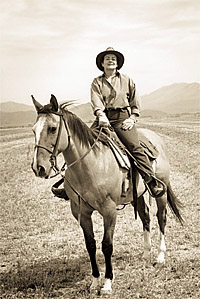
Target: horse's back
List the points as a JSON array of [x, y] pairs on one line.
[[153, 137], [162, 163]]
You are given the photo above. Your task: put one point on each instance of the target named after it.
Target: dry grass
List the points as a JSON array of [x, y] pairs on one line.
[[43, 253]]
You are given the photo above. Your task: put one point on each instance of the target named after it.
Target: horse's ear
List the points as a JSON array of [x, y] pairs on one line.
[[37, 105], [54, 103]]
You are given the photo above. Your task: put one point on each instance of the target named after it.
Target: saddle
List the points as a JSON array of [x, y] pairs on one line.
[[121, 153]]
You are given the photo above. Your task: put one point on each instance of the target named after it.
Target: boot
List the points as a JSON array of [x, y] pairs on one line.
[[155, 186], [59, 192]]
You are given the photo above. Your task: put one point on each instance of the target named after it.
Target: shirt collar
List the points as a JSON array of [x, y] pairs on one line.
[[117, 74]]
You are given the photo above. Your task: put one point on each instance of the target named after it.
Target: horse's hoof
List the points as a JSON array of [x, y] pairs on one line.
[[95, 286], [105, 293], [158, 264], [161, 258], [107, 288]]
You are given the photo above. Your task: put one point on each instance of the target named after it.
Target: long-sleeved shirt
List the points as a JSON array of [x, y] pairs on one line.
[[120, 93]]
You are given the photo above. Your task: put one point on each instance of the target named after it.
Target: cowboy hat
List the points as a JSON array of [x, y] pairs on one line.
[[109, 50]]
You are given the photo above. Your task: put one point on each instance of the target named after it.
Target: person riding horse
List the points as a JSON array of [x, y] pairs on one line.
[[116, 103]]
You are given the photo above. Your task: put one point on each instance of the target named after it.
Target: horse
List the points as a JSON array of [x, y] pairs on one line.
[[94, 179]]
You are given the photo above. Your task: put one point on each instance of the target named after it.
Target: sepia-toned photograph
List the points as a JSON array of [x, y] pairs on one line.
[[100, 149]]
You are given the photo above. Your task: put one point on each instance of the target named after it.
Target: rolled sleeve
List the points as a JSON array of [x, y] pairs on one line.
[[96, 97]]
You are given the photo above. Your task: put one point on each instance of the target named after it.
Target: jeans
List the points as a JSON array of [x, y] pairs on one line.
[[130, 140]]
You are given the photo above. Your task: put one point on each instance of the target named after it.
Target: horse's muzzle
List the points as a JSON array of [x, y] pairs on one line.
[[39, 171]]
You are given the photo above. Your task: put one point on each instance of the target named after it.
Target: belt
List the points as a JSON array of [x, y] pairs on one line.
[[116, 109]]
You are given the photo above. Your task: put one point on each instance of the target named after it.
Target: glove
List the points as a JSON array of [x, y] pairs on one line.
[[129, 123], [102, 119]]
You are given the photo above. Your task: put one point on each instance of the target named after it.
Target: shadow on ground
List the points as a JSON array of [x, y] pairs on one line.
[[71, 278], [47, 277]]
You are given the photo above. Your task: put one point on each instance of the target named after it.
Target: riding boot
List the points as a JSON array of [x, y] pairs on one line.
[[59, 192], [155, 186]]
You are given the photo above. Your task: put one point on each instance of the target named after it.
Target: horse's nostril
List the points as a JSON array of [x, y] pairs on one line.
[[41, 171]]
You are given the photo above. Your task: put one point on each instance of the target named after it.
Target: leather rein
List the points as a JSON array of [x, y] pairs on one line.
[[54, 152], [53, 157]]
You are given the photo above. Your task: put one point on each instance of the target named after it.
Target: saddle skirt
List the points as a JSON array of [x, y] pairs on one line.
[[119, 154], [119, 150]]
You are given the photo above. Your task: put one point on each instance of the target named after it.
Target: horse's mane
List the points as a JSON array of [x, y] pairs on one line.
[[85, 134]]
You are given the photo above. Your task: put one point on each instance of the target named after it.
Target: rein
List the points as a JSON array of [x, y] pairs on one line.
[[84, 155], [53, 153], [80, 197], [53, 158]]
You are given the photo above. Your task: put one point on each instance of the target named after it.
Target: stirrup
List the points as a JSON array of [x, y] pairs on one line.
[[161, 193], [59, 192]]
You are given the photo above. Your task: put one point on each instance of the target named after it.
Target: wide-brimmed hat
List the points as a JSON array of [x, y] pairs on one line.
[[109, 50]]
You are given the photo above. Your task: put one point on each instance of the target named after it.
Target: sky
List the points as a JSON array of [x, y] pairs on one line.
[[50, 47]]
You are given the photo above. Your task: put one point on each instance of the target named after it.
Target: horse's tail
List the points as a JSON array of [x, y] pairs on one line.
[[175, 204]]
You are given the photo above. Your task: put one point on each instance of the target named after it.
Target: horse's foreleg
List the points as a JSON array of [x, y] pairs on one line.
[[109, 218], [87, 226], [161, 215], [143, 212]]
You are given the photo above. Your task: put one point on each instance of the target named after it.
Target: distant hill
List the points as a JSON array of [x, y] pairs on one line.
[[176, 98], [152, 113], [84, 111], [15, 114], [15, 107], [19, 118]]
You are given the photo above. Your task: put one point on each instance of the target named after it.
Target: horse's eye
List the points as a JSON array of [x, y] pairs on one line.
[[52, 130]]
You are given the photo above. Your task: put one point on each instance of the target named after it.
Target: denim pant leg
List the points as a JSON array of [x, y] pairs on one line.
[[131, 141]]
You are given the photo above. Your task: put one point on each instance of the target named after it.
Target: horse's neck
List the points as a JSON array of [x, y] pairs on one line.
[[71, 154], [85, 154], [75, 152]]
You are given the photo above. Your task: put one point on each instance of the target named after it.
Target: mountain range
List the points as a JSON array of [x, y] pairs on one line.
[[176, 98], [173, 99]]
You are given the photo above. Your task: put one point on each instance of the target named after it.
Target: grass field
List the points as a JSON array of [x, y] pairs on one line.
[[43, 253]]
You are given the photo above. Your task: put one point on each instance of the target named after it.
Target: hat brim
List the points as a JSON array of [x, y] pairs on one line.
[[100, 57]]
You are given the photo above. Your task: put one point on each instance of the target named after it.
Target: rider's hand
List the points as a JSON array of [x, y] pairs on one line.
[[103, 120], [129, 123]]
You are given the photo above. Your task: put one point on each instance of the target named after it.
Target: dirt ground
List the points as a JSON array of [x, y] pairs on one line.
[[42, 249]]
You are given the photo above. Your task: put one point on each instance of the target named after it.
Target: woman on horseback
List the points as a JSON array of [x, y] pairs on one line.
[[116, 103]]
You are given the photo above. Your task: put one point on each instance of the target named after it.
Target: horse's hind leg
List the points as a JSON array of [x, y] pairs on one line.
[[87, 226], [161, 215], [143, 212]]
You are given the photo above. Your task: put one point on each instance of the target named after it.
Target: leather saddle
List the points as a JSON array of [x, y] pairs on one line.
[[121, 154]]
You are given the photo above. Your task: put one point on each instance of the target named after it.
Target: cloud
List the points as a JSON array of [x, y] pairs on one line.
[[53, 43], [52, 22], [41, 23]]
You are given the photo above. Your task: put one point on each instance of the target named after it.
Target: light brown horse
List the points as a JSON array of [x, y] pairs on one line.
[[94, 179]]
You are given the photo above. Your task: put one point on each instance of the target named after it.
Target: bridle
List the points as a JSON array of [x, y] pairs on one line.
[[54, 152], [53, 157]]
